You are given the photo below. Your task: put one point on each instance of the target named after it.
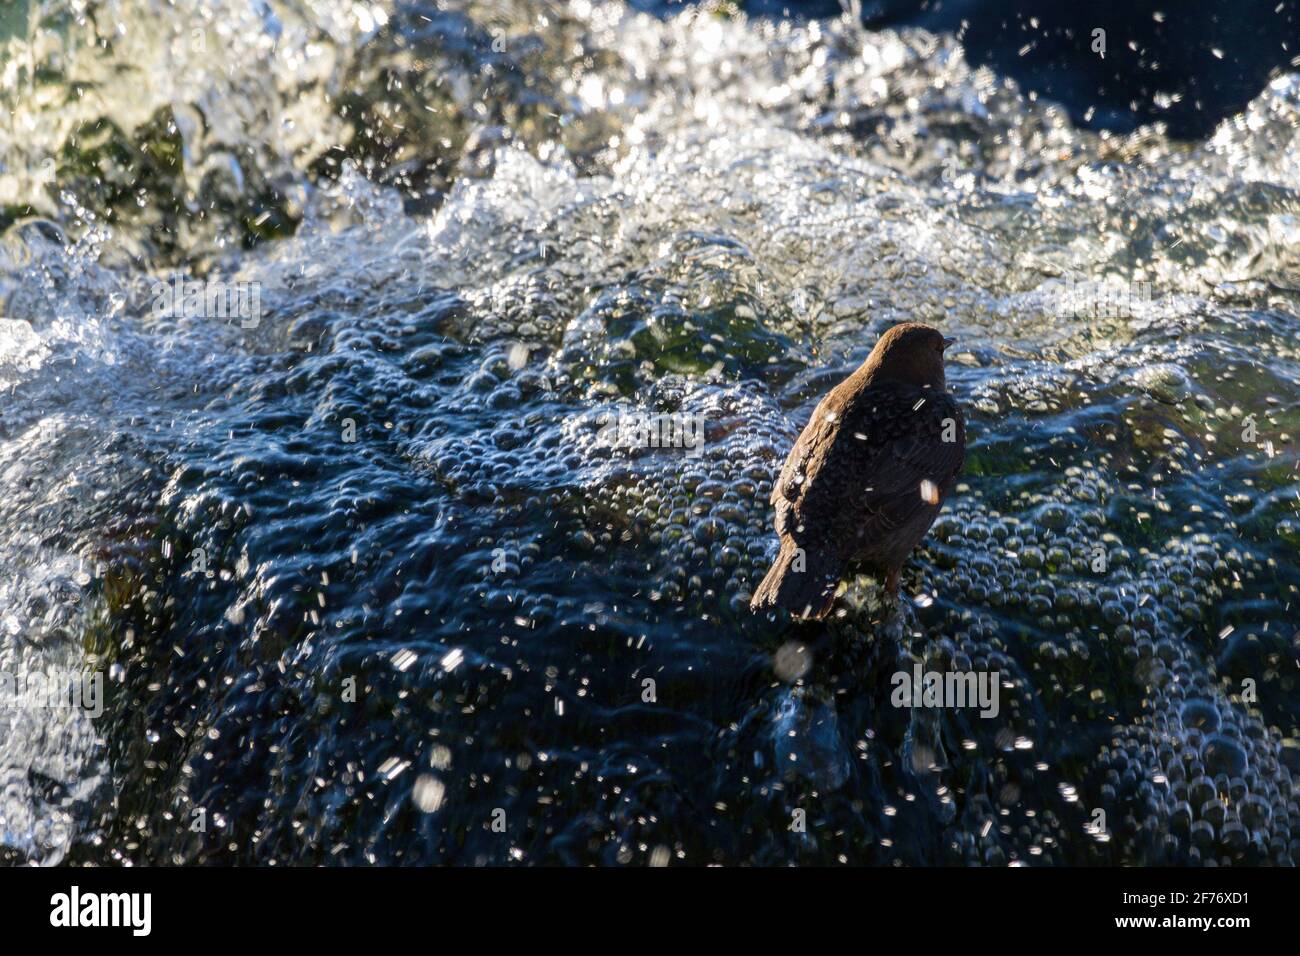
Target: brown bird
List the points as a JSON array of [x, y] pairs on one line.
[[865, 479]]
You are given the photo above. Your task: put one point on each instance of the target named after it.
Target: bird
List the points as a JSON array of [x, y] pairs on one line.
[[867, 476]]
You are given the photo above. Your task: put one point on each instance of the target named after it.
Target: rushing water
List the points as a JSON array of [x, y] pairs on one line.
[[361, 578]]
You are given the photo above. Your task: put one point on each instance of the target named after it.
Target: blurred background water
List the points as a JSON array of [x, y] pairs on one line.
[[1186, 66], [364, 582]]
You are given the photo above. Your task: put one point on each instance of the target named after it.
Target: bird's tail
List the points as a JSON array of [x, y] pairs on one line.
[[802, 581]]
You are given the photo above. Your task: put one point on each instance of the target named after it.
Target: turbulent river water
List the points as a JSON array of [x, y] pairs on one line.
[[360, 579]]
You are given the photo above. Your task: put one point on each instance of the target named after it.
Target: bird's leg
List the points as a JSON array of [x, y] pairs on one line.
[[889, 604]]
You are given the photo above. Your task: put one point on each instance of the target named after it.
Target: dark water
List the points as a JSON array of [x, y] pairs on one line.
[[364, 583]]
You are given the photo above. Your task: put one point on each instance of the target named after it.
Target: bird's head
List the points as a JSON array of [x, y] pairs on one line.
[[911, 353]]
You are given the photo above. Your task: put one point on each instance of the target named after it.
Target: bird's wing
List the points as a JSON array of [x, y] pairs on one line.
[[818, 435], [891, 453]]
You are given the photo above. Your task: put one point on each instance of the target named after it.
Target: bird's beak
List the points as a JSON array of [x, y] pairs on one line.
[[948, 342]]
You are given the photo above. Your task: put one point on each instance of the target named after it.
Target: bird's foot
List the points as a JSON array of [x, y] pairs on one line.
[[887, 598], [895, 623]]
